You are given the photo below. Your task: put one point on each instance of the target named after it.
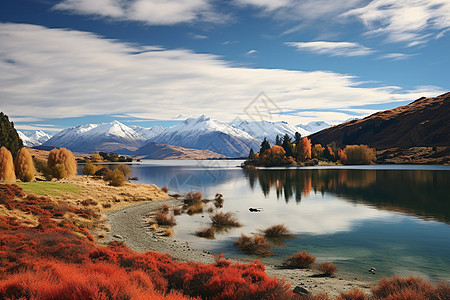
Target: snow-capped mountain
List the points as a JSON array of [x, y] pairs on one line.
[[107, 137], [208, 134], [315, 126], [148, 133], [270, 130], [33, 138]]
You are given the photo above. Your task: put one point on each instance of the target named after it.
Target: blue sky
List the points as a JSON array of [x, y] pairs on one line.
[[156, 62]]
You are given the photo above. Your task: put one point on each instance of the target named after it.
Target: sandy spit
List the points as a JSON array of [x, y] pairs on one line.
[[129, 225]]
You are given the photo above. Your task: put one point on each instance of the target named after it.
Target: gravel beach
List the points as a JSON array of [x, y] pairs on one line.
[[128, 225]]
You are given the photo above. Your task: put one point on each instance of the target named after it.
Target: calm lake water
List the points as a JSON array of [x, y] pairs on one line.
[[393, 218]]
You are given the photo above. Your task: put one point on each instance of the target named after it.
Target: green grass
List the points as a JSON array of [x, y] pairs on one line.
[[50, 188]]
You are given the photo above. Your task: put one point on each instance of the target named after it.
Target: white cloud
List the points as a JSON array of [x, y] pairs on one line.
[[153, 12], [332, 48], [58, 73], [397, 56], [252, 52], [404, 20]]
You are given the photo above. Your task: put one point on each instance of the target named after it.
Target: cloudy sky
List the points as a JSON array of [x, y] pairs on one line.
[[156, 62]]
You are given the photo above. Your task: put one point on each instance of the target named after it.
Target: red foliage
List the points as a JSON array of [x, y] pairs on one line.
[[399, 288], [354, 294], [58, 260]]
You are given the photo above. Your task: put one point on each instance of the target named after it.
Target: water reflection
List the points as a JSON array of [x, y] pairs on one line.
[[422, 193]]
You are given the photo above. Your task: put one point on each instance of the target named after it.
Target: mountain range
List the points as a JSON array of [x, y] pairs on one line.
[[201, 133]]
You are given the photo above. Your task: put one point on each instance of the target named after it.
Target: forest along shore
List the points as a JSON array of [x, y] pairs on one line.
[[128, 224]]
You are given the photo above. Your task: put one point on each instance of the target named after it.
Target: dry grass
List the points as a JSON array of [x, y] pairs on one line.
[[101, 234], [177, 211], [165, 189], [257, 245], [228, 219], [300, 260], [218, 200], [167, 232], [196, 208], [165, 209], [328, 269], [276, 231], [206, 233], [163, 219], [193, 198]]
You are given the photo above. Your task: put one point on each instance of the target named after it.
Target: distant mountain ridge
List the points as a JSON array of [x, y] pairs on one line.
[[422, 123], [208, 134], [201, 133], [270, 130], [155, 151], [108, 137], [33, 138]]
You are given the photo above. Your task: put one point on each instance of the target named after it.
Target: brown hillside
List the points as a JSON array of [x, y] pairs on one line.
[[156, 151], [424, 122]]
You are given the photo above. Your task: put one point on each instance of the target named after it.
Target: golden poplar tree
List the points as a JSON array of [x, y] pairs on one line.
[[24, 165], [62, 162], [6, 165]]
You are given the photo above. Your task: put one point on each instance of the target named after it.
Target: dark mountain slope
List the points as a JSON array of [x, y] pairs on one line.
[[422, 123]]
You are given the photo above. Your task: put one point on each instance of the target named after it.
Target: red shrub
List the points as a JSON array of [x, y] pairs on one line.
[[398, 287], [354, 294]]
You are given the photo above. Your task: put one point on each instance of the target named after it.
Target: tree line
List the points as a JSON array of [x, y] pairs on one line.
[[300, 151]]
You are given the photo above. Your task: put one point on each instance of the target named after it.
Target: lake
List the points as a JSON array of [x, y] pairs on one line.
[[393, 218]]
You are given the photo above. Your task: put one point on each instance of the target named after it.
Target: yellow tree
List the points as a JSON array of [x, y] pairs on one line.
[[24, 164], [6, 165], [65, 158], [317, 151]]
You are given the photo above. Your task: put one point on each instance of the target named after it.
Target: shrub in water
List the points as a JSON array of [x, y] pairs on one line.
[[224, 219], [257, 246], [276, 231], [206, 233], [193, 198]]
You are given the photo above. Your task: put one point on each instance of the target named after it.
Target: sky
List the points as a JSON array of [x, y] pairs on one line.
[[65, 63]]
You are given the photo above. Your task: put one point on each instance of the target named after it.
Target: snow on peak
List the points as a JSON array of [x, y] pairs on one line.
[[32, 138], [314, 126], [270, 130]]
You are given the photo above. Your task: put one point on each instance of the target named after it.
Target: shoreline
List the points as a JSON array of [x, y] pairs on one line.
[[128, 225]]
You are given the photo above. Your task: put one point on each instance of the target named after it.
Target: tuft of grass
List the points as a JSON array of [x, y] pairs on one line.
[[165, 209], [44, 188], [328, 269], [228, 219], [256, 246], [165, 189], [168, 232], [276, 231], [206, 233], [218, 200], [196, 208], [177, 211], [193, 198], [300, 260], [163, 219]]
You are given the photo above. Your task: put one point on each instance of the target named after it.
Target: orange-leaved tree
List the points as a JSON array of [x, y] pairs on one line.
[[303, 149], [24, 165], [6, 165]]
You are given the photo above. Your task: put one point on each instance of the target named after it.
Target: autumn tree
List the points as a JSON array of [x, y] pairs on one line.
[[97, 157], [65, 158], [24, 165], [317, 151], [118, 179], [328, 154], [126, 170], [89, 169], [6, 165], [303, 149], [359, 154]]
